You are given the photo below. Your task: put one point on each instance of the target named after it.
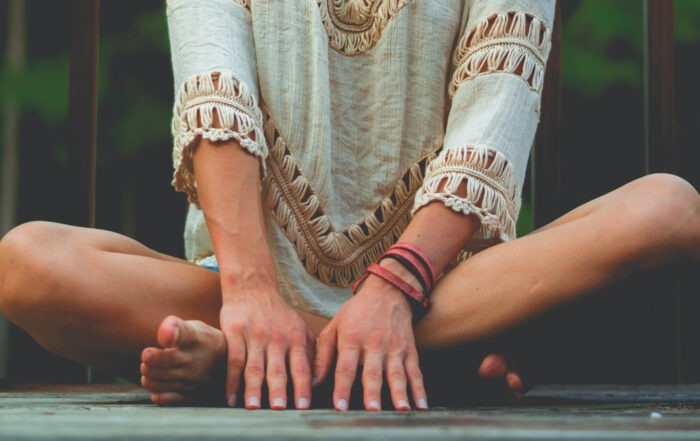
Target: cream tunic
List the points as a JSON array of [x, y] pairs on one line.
[[359, 110]]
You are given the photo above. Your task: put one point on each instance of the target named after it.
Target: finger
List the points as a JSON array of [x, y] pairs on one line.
[[277, 377], [235, 363], [372, 380], [415, 380], [254, 376], [396, 378], [345, 372], [325, 351], [300, 369]]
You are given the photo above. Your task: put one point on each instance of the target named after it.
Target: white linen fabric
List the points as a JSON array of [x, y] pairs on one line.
[[361, 112]]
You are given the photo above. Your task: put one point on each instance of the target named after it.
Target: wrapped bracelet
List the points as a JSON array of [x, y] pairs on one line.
[[418, 300], [418, 264]]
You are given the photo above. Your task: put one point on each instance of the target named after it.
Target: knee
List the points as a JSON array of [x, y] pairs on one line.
[[667, 206], [25, 264]]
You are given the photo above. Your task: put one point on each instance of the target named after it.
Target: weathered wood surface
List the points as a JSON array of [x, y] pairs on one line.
[[548, 412]]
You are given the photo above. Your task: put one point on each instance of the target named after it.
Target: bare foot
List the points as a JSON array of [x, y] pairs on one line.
[[494, 367], [183, 368]]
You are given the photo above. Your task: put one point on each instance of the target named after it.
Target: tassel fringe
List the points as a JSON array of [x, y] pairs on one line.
[[492, 194], [239, 116]]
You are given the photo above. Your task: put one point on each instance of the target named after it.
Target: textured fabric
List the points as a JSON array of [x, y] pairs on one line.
[[361, 112]]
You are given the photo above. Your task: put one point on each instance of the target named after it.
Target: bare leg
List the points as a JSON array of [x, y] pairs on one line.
[[644, 223], [100, 298]]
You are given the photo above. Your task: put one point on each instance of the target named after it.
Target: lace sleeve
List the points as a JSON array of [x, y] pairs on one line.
[[215, 74], [498, 70]]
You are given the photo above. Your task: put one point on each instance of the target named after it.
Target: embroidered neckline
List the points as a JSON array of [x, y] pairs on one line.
[[355, 26]]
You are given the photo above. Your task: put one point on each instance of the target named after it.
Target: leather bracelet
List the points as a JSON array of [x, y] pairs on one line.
[[419, 302], [409, 261], [423, 258]]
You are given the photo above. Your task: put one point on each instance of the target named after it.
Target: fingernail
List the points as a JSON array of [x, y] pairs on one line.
[[232, 400], [254, 402], [279, 402], [373, 405], [403, 405], [422, 404], [341, 405], [303, 403]]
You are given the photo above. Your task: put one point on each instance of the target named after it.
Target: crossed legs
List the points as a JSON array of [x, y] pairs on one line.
[[100, 298]]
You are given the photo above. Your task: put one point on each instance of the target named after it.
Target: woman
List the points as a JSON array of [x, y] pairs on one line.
[[394, 132]]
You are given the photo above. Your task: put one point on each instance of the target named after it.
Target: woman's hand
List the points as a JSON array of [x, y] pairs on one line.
[[264, 335], [373, 329]]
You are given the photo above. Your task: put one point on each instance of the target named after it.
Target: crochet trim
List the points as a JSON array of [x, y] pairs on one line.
[[492, 194], [503, 43], [239, 116], [336, 258], [355, 26]]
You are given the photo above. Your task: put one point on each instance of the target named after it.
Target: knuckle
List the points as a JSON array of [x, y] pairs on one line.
[[276, 373], [345, 370], [396, 374], [372, 374], [237, 327], [236, 359], [258, 333], [254, 370]]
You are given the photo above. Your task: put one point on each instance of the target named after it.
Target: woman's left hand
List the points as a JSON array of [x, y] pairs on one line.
[[373, 329]]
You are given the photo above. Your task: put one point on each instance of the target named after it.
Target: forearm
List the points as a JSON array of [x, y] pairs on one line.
[[228, 184]]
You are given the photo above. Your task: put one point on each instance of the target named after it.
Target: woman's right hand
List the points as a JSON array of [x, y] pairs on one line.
[[264, 335]]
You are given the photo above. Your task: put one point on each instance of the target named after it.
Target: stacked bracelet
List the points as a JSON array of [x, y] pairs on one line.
[[417, 263]]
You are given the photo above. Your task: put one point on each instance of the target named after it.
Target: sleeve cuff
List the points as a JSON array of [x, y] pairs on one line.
[[239, 116], [492, 194]]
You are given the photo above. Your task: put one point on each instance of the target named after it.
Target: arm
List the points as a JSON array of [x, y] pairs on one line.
[[471, 191], [219, 154]]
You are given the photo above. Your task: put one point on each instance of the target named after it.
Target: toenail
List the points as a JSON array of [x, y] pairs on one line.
[[422, 403], [303, 403], [232, 400], [279, 402], [402, 404], [373, 405], [341, 405], [254, 402]]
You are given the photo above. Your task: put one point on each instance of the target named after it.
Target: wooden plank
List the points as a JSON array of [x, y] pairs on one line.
[[546, 161], [599, 412]]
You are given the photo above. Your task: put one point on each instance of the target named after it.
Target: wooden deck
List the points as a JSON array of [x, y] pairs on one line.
[[111, 412]]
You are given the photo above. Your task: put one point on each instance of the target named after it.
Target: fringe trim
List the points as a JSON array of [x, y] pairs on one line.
[[492, 194], [502, 43], [355, 26], [193, 115], [336, 258]]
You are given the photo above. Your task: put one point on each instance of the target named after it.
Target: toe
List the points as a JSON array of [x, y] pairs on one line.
[[514, 382], [169, 332], [493, 366], [165, 398], [156, 385]]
